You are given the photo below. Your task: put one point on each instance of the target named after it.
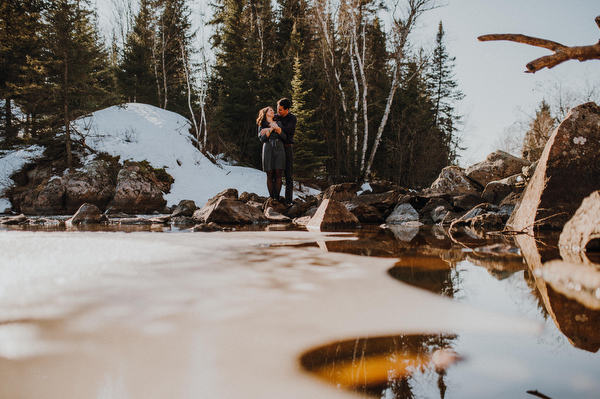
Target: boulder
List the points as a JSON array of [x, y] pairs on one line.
[[273, 216], [301, 207], [91, 184], [87, 213], [453, 181], [10, 220], [497, 166], [184, 208], [403, 213], [137, 191], [435, 210], [365, 213], [340, 192], [382, 186], [332, 215], [224, 210], [582, 231], [495, 191], [567, 172], [48, 199], [384, 202]]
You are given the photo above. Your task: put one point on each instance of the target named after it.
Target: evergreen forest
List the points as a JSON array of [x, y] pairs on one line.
[[370, 103]]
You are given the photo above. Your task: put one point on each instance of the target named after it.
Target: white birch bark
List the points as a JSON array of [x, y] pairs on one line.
[[401, 29], [189, 92]]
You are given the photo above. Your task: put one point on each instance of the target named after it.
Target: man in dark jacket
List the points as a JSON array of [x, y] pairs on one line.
[[288, 121]]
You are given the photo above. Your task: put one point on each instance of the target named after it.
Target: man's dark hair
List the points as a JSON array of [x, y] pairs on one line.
[[285, 103]]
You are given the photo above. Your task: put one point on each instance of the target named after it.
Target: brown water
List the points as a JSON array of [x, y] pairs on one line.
[[279, 314]]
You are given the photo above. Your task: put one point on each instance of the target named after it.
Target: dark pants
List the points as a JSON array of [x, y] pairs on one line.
[[289, 173]]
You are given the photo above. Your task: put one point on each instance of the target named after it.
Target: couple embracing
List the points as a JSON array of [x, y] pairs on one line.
[[276, 132]]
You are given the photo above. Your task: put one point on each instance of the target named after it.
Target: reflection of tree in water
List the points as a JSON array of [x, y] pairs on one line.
[[382, 366]]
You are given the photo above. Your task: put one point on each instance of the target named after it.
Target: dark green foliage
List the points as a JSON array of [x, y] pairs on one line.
[[137, 79], [19, 42], [309, 161], [75, 65], [444, 93]]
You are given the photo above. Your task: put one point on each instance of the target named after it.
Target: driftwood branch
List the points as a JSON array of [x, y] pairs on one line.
[[561, 52]]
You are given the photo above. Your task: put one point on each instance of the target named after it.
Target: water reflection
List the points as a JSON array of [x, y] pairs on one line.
[[384, 366], [494, 271]]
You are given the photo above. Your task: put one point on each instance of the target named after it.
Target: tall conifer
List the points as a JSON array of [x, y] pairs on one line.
[[137, 76], [19, 42], [75, 63]]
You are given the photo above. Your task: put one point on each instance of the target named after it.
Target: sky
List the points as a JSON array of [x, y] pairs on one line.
[[491, 74]]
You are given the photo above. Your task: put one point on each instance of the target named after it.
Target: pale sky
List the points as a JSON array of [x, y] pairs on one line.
[[491, 74]]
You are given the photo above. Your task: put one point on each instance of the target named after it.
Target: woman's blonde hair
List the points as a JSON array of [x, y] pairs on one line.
[[262, 115]]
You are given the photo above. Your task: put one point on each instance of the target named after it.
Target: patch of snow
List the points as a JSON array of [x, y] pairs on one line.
[[139, 132], [12, 161]]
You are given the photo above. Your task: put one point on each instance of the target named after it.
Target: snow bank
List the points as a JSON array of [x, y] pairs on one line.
[[11, 162], [140, 132]]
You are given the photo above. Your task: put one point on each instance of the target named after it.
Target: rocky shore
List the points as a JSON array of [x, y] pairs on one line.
[[501, 192]]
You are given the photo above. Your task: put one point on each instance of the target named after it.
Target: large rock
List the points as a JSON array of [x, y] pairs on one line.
[[582, 230], [87, 213], [495, 191], [341, 192], [137, 191], [332, 215], [403, 213], [92, 184], [384, 202], [224, 210], [48, 199], [567, 172], [184, 208], [453, 181], [497, 166]]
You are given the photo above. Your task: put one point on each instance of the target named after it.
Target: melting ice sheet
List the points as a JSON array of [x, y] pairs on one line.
[[202, 315]]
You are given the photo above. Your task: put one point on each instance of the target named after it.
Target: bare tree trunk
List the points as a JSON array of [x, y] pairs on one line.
[[189, 91], [356, 107], [155, 64], [401, 29], [164, 70], [10, 131], [66, 118]]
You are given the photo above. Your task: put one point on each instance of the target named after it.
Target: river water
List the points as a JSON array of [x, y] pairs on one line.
[[401, 312]]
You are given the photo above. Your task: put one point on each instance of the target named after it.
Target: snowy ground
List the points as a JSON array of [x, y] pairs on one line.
[[140, 132]]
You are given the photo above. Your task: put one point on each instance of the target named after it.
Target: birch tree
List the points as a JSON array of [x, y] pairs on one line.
[[403, 21], [347, 44]]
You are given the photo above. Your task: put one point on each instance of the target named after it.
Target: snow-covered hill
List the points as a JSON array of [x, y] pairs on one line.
[[140, 132]]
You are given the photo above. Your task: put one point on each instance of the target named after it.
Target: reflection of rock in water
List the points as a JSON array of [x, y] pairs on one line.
[[404, 232], [501, 260], [384, 365], [431, 273], [578, 323]]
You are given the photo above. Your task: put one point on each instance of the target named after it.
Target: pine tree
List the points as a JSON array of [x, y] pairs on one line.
[[19, 41], [444, 93], [75, 63], [540, 129], [307, 163], [174, 38], [137, 77], [242, 80]]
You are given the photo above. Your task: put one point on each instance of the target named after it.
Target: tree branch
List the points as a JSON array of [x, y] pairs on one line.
[[561, 52]]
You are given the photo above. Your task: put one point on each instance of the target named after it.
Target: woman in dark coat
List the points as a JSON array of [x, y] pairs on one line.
[[273, 153]]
